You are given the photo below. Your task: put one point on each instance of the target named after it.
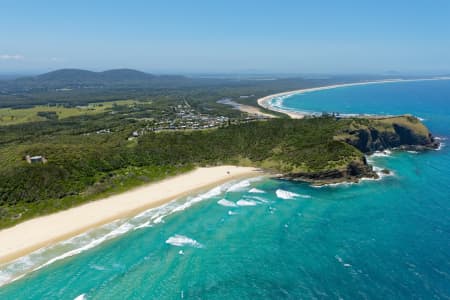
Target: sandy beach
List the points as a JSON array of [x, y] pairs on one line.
[[40, 232], [265, 101], [254, 111]]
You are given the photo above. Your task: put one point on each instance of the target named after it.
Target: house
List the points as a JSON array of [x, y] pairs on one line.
[[35, 159]]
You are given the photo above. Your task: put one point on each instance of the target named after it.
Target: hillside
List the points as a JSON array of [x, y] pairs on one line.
[[80, 167], [368, 135], [73, 87], [75, 78]]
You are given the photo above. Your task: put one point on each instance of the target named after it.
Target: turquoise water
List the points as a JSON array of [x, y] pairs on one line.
[[269, 239]]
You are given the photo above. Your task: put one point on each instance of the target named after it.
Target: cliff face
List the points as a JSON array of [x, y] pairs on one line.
[[369, 135], [378, 134], [352, 172]]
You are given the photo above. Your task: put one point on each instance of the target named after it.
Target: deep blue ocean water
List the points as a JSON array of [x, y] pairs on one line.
[[269, 239]]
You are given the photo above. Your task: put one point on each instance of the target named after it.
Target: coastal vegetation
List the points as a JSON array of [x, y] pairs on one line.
[[72, 136], [83, 162], [10, 116], [72, 87]]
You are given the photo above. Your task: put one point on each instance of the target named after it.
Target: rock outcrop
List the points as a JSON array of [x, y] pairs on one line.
[[369, 135], [402, 132], [352, 172]]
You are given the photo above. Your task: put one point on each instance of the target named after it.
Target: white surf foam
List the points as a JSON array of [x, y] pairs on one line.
[[239, 186], [377, 170], [226, 203], [441, 144], [385, 153], [124, 228], [282, 194], [380, 173], [339, 184], [286, 195], [181, 240], [214, 192], [145, 225], [257, 198], [256, 191], [242, 184], [88, 240], [246, 203], [341, 261], [304, 196], [80, 297]]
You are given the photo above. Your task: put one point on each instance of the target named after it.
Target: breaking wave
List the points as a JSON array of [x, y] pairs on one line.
[[181, 240], [90, 239], [246, 203], [341, 261], [385, 153], [256, 191], [226, 203], [239, 186], [380, 173], [242, 185], [256, 198], [441, 143], [286, 195]]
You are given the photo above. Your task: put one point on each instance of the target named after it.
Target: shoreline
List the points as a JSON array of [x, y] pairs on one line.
[[252, 110], [264, 101], [29, 236]]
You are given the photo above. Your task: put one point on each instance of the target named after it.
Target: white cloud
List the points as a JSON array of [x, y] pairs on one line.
[[11, 57]]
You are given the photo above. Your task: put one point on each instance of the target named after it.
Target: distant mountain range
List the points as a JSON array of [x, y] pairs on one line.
[[76, 78], [117, 75]]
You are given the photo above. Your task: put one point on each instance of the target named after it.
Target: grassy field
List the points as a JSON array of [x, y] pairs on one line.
[[10, 116], [407, 121]]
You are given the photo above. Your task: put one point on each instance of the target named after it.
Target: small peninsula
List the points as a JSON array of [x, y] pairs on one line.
[[318, 150], [366, 136]]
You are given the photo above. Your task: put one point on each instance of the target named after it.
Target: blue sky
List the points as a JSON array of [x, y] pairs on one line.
[[226, 36]]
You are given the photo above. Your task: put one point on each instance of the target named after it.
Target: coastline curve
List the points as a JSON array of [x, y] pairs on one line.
[[265, 102]]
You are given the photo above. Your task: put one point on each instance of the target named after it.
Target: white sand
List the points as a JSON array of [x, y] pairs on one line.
[[31, 235], [265, 101], [254, 111]]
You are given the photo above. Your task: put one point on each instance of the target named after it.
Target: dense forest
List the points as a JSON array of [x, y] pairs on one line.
[[72, 136], [80, 166]]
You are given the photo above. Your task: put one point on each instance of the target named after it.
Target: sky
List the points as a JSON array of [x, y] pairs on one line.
[[226, 36]]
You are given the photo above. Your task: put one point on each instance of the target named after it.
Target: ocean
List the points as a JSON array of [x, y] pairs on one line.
[[262, 238]]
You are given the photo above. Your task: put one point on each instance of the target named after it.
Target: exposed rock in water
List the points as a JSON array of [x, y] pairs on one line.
[[386, 171], [353, 172]]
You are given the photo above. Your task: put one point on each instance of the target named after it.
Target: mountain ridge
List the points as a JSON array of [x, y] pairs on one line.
[[80, 78]]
